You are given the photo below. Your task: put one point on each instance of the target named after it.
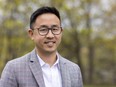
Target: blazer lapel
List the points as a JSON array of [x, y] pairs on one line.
[[36, 69], [66, 82]]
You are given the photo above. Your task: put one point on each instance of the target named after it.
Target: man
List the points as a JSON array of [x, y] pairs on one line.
[[43, 67]]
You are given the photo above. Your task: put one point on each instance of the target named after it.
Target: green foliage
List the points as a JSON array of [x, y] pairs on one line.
[[82, 29]]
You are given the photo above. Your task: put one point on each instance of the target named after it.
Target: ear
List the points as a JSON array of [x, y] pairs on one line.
[[30, 33]]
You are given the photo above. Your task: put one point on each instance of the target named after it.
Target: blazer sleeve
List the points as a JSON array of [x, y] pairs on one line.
[[8, 78], [75, 75], [80, 82]]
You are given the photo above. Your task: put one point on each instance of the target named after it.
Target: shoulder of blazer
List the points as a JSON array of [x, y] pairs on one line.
[[66, 61], [20, 60]]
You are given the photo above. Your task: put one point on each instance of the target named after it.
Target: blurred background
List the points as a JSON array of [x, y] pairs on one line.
[[89, 36]]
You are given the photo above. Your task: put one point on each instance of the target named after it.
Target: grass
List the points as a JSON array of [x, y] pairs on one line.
[[100, 86]]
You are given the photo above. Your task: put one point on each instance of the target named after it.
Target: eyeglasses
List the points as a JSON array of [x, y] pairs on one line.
[[44, 30]]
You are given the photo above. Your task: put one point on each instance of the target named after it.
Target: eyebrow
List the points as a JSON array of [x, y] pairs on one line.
[[48, 26]]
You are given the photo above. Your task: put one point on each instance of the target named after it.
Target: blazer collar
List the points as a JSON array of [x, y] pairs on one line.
[[36, 69], [66, 81]]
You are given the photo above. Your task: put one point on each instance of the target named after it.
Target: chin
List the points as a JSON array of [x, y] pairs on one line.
[[50, 51]]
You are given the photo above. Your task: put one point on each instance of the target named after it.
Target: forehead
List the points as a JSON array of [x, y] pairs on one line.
[[47, 16], [47, 19]]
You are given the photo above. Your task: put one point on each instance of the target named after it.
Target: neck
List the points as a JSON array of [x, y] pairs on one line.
[[49, 58]]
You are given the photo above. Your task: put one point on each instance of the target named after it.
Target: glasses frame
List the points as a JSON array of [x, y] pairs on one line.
[[51, 28]]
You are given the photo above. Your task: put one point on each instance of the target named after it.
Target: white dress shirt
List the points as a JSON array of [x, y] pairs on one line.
[[51, 75]]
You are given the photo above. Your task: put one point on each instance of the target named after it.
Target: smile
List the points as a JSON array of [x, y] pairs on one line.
[[50, 43]]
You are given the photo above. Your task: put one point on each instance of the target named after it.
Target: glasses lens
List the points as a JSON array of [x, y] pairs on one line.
[[43, 30], [56, 30]]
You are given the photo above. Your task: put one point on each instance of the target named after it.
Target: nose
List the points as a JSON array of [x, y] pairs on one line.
[[50, 34]]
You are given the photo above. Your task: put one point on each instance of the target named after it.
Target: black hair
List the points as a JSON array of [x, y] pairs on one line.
[[41, 11]]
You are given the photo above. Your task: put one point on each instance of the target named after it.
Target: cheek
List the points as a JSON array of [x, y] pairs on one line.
[[38, 39], [59, 38], [38, 42]]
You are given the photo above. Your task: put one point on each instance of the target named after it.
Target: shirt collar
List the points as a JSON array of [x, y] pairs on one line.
[[42, 63]]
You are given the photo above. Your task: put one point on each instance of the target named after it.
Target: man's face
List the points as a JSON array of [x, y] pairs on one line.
[[47, 43]]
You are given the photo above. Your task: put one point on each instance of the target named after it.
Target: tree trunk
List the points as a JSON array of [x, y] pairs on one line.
[[90, 44]]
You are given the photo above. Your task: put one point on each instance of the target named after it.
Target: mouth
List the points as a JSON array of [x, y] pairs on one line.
[[50, 43]]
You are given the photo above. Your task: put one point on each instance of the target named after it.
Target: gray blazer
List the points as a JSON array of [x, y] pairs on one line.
[[26, 72]]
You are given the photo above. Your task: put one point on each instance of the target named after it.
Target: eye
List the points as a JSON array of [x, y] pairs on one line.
[[43, 29], [55, 28]]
